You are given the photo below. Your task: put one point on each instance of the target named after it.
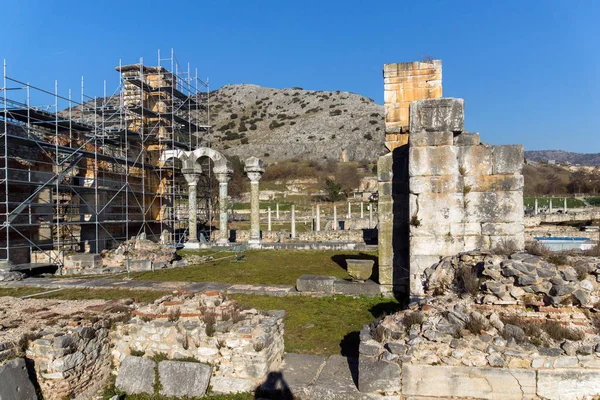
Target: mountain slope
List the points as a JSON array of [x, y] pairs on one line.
[[278, 124], [560, 156]]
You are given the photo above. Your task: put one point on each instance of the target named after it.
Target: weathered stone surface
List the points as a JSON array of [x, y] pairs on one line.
[[467, 139], [378, 376], [181, 379], [299, 372], [502, 229], [136, 375], [494, 207], [445, 114], [567, 384], [436, 184], [315, 283], [336, 381], [481, 383], [227, 384], [475, 160], [494, 183], [6, 276], [367, 288], [432, 160], [14, 381], [140, 265], [360, 270], [508, 159], [424, 138]]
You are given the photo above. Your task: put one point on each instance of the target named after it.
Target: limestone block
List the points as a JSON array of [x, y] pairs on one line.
[[508, 159], [367, 288], [444, 244], [419, 263], [494, 207], [335, 380], [384, 168], [432, 160], [502, 229], [315, 283], [467, 139], [378, 376], [494, 183], [136, 375], [228, 384], [566, 384], [518, 240], [436, 184], [477, 242], [433, 208], [475, 160], [181, 379], [140, 265], [468, 382], [14, 381], [466, 228], [424, 138], [437, 115]]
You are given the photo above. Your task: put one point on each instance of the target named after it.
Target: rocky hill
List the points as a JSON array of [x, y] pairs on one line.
[[591, 159], [279, 124]]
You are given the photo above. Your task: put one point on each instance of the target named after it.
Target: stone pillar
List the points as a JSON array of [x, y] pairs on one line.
[[254, 170], [535, 207], [362, 209], [370, 216], [318, 227], [269, 219], [349, 211], [277, 212], [565, 206], [223, 178], [293, 222], [192, 181], [550, 206], [335, 221]]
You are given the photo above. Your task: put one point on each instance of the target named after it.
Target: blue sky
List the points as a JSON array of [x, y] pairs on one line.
[[528, 70]]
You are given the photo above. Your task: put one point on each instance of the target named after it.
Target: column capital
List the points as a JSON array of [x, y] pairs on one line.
[[223, 177], [254, 169], [191, 177]]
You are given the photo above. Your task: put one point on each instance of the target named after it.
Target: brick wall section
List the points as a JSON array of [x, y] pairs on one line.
[[403, 83], [464, 194]]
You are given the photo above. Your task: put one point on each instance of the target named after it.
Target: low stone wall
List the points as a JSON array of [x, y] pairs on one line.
[[425, 382], [355, 235], [243, 346], [72, 363]]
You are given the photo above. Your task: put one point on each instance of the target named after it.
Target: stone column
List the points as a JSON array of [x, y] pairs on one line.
[[254, 170], [535, 207], [565, 206], [362, 210], [550, 206], [370, 216], [269, 219], [192, 181], [318, 228], [335, 217], [349, 211], [223, 178], [293, 222], [277, 211]]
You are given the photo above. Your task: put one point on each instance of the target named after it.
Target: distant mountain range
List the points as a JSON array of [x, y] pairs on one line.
[[591, 159]]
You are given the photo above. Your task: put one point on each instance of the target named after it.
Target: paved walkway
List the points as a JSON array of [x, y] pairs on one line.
[[115, 283]]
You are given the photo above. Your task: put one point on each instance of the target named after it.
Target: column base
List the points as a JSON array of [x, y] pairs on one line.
[[191, 244], [223, 242], [254, 243]]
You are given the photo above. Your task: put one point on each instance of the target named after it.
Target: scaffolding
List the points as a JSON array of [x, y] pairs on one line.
[[86, 175]]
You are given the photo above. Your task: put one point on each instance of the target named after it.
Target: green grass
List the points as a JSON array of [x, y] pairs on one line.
[[264, 204], [143, 296], [557, 202], [322, 326], [593, 201], [270, 267]]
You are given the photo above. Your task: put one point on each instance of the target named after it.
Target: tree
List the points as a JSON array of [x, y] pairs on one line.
[[348, 178], [333, 190]]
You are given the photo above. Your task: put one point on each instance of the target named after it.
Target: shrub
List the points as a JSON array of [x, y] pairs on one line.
[[244, 141], [476, 324], [558, 259], [368, 136], [233, 116], [532, 328], [415, 221], [333, 113], [174, 314], [379, 333], [373, 122], [581, 270], [558, 332], [413, 318], [536, 248], [275, 124], [210, 319], [470, 282], [506, 247]]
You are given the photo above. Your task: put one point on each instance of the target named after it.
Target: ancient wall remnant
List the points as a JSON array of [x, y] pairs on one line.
[[464, 194], [441, 191], [403, 83]]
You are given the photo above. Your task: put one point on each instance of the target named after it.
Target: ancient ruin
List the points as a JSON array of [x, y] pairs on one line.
[[442, 191]]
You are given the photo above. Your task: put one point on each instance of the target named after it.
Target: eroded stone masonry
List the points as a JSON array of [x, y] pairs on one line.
[[442, 190]]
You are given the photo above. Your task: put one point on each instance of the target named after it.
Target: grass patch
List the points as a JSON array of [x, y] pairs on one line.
[[142, 296], [264, 204], [322, 326], [281, 267]]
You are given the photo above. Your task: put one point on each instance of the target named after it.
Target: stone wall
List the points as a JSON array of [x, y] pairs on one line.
[[464, 194], [242, 346], [73, 362], [404, 83]]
